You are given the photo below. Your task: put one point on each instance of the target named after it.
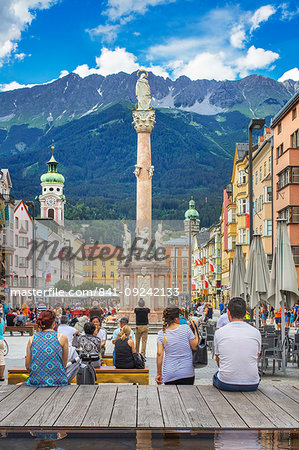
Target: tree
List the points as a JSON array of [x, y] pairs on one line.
[[64, 285]]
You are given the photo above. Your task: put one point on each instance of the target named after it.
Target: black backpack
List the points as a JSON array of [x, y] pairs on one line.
[[86, 374]]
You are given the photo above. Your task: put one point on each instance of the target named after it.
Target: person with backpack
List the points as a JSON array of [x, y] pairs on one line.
[[88, 343]]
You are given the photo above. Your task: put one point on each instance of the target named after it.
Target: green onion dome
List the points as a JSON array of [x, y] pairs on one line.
[[52, 176]]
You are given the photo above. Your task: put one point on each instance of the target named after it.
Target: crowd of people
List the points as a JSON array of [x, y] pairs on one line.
[[237, 344]]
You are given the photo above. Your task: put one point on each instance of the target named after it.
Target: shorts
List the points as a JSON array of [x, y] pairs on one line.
[[277, 320], [2, 362]]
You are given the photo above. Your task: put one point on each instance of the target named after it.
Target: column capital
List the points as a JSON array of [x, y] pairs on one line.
[[144, 120]]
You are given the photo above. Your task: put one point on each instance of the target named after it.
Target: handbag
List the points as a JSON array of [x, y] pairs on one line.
[[139, 361], [200, 355]]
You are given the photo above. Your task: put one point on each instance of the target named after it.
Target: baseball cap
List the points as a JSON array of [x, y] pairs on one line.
[[124, 319]]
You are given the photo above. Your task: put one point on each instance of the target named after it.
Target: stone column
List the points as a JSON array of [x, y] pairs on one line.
[[144, 121]]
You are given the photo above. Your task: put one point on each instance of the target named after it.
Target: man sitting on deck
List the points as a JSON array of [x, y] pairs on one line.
[[237, 349]]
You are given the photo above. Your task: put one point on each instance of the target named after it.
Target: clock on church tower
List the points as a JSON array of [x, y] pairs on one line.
[[52, 199]]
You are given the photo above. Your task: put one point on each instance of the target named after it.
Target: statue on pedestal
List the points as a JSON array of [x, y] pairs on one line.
[[127, 240], [143, 92], [158, 237]]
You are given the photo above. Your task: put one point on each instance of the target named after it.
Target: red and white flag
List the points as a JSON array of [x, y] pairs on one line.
[[206, 282], [212, 269], [247, 224], [48, 274], [60, 252]]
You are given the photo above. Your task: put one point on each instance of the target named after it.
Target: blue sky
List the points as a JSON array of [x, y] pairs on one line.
[[41, 40]]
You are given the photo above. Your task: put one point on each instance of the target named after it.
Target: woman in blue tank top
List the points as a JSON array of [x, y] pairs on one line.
[[47, 354]]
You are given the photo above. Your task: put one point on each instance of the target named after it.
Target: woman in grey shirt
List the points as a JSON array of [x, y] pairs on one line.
[[175, 344]]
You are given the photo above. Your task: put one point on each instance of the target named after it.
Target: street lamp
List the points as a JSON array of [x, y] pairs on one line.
[[255, 124], [29, 203]]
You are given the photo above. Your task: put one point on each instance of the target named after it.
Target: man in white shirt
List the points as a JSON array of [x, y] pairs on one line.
[[65, 329], [222, 321], [237, 348]]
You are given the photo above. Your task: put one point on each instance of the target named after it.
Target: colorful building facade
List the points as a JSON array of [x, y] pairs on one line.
[[285, 126]]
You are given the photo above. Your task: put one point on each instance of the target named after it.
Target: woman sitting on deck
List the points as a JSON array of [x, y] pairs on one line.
[[124, 349], [175, 344], [47, 354]]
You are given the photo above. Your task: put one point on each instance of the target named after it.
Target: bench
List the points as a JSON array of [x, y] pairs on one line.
[[108, 374], [108, 359], [105, 374], [26, 329]]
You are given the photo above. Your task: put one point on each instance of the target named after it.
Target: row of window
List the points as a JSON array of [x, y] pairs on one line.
[[94, 274], [291, 214], [21, 262], [22, 282], [94, 263], [21, 241], [243, 234], [289, 176], [263, 171], [294, 143]]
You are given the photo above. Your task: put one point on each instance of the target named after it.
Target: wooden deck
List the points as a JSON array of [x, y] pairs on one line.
[[129, 407]]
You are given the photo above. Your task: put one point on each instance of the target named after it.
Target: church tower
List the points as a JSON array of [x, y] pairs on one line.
[[52, 199]]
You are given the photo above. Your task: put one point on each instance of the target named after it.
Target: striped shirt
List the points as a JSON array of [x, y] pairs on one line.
[[178, 361], [42, 307]]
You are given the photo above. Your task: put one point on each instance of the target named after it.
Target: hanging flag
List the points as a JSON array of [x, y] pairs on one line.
[[60, 252], [200, 262], [197, 262], [247, 214], [212, 269], [48, 274], [206, 282]]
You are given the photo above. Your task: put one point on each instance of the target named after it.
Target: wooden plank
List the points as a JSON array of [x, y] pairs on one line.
[[286, 403], [274, 413], [290, 391], [251, 415], [100, 409], [124, 412], [149, 414], [224, 413], [74, 412], [53, 407], [173, 409], [197, 409], [11, 402], [6, 390], [23, 412]]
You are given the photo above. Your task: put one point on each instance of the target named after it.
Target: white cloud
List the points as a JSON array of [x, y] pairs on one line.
[[122, 8], [256, 58], [114, 61], [16, 16], [292, 74], [205, 66], [238, 36], [286, 13], [20, 56], [63, 73], [176, 48], [261, 15], [14, 85], [108, 32]]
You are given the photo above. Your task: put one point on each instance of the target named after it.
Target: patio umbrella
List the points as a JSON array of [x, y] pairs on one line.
[[238, 288], [283, 280], [257, 275]]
